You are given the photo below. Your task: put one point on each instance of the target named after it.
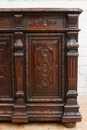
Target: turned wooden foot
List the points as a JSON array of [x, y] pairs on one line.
[[70, 124]]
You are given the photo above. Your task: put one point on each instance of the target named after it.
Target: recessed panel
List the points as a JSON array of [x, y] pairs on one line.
[[6, 69], [44, 79]]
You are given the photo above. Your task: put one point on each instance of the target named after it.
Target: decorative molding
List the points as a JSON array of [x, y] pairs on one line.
[[71, 114], [43, 110], [44, 99], [27, 72], [18, 53], [63, 70], [44, 22], [72, 93], [72, 53], [44, 34], [18, 34], [77, 10]]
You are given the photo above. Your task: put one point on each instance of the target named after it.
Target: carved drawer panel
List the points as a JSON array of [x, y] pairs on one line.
[[45, 67], [44, 23]]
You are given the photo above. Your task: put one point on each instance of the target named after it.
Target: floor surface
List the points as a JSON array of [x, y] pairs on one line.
[[82, 100]]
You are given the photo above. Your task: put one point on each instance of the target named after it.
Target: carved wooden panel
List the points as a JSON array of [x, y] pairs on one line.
[[44, 23], [45, 67], [6, 68]]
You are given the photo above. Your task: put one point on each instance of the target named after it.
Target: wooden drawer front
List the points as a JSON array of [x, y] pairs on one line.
[[44, 23], [6, 23]]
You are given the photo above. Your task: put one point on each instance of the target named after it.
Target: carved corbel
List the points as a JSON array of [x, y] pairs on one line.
[[72, 44], [18, 21], [18, 40], [73, 20]]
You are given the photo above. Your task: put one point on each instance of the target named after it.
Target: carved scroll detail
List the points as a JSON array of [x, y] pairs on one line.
[[44, 22]]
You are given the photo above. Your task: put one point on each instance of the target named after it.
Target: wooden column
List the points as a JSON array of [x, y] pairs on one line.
[[20, 107], [71, 108]]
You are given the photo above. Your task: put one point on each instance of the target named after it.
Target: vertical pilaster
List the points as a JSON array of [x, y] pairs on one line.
[[71, 108], [20, 107]]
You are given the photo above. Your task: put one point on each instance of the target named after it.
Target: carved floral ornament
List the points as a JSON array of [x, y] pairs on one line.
[[44, 22]]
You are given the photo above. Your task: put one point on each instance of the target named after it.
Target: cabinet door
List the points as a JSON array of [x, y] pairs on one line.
[[45, 67], [6, 68]]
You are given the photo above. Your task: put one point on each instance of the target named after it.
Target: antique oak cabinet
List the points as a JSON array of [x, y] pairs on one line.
[[38, 65]]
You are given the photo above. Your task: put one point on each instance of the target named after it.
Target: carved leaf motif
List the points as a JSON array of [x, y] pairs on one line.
[[44, 22]]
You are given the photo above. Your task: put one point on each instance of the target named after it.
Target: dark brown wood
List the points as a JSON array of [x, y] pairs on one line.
[[70, 125], [39, 64]]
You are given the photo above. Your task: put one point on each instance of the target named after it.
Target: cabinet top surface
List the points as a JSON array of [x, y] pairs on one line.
[[78, 10]]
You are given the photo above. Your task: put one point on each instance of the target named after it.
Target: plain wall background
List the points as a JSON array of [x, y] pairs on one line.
[[82, 40]]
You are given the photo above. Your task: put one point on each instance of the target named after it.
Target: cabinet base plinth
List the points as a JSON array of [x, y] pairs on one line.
[[20, 119], [70, 124], [67, 119]]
